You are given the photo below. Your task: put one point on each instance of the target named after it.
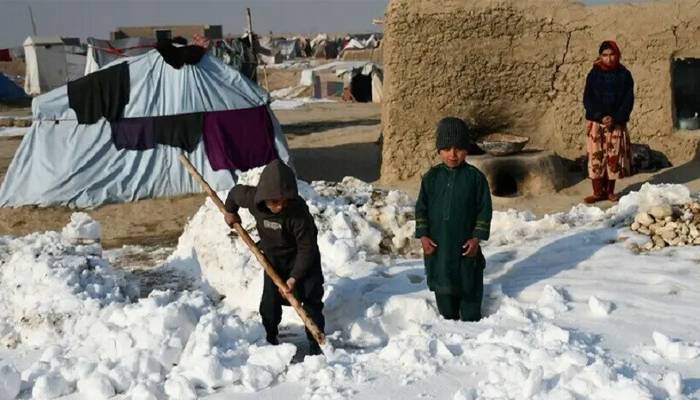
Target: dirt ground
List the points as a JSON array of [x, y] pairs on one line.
[[328, 141]]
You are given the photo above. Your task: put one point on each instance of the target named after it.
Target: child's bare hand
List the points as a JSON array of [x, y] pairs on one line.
[[291, 282], [471, 247], [232, 218], [428, 245], [608, 121]]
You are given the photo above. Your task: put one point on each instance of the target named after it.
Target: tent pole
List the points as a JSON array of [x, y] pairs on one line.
[[269, 269]]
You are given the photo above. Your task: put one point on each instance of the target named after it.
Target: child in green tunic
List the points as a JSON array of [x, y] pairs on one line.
[[453, 214]]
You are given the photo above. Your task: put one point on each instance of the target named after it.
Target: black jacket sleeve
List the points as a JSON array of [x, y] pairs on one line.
[[593, 112], [305, 233], [240, 196], [622, 115]]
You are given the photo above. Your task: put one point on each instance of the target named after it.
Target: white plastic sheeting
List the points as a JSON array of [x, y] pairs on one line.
[[63, 163], [50, 63]]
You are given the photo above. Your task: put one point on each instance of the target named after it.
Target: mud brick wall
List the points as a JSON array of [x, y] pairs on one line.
[[519, 66]]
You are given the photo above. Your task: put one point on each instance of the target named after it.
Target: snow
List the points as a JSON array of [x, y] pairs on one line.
[[292, 104], [82, 228], [13, 131], [10, 382], [570, 312]]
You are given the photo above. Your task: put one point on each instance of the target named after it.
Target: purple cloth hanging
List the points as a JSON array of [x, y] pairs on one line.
[[133, 133], [239, 139]]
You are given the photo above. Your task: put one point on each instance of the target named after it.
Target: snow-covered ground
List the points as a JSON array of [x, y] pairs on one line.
[[571, 312], [292, 104]]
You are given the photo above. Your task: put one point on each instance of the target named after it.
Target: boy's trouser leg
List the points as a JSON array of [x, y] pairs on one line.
[[470, 306], [470, 310], [313, 305], [271, 308], [448, 305]]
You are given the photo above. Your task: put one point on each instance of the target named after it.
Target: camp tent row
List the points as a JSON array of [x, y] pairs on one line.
[[362, 80], [62, 162]]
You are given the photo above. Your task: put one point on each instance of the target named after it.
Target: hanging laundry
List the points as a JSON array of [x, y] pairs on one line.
[[239, 139], [176, 57], [104, 93], [183, 131], [5, 55], [134, 133]]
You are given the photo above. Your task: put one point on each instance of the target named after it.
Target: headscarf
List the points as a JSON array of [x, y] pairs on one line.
[[611, 45]]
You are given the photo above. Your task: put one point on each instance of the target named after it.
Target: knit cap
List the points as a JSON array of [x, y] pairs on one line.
[[452, 132]]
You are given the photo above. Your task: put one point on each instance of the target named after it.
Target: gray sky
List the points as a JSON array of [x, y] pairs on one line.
[[83, 18]]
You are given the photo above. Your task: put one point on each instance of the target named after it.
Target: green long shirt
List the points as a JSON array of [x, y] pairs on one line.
[[454, 205]]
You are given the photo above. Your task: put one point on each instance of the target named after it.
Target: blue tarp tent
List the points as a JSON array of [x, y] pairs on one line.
[[9, 91], [61, 162]]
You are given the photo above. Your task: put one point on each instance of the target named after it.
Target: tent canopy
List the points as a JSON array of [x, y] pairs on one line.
[[9, 91], [61, 162]]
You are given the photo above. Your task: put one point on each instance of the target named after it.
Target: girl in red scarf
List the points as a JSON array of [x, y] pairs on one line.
[[608, 99]]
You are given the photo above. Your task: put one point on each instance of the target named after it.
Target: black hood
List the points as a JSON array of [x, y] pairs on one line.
[[277, 181]]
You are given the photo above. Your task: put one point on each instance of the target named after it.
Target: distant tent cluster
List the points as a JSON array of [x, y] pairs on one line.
[[358, 81], [115, 134], [52, 61], [274, 50]]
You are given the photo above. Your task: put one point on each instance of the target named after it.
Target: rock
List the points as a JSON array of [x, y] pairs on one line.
[[635, 226], [696, 241], [671, 225], [643, 219], [6, 122], [693, 232], [684, 229], [658, 241], [661, 212], [673, 242], [648, 245], [668, 235], [668, 219], [644, 230], [687, 215]]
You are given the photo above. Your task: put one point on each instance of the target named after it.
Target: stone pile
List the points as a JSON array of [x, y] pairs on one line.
[[669, 225]]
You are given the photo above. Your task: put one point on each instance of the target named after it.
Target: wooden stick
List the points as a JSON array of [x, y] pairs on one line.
[[269, 269]]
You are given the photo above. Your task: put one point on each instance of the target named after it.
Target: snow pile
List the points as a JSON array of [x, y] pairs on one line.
[[47, 284], [356, 223], [670, 349], [82, 228], [512, 226], [651, 196], [569, 313], [99, 342]]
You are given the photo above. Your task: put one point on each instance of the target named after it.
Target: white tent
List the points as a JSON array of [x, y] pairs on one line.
[[61, 162], [50, 63]]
